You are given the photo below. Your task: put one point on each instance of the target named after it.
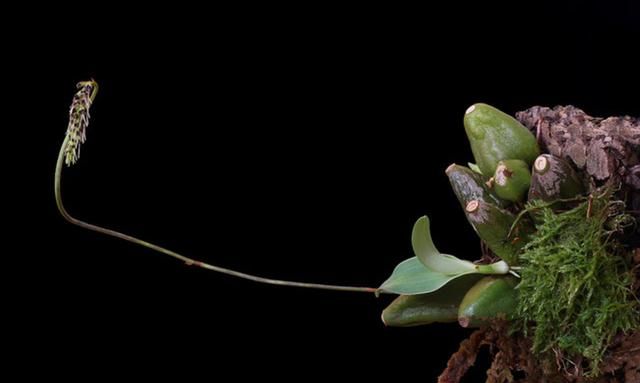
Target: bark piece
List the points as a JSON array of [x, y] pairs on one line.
[[606, 149]]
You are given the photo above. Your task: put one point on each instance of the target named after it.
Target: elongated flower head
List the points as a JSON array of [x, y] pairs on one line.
[[79, 120]]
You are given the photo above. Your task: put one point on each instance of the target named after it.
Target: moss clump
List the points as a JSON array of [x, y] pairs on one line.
[[575, 293]]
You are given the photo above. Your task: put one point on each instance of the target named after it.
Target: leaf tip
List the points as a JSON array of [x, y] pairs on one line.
[[382, 319]]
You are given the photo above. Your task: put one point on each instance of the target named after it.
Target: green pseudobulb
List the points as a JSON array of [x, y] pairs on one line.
[[553, 178], [511, 180], [490, 298], [438, 306], [496, 136], [469, 185], [493, 224]]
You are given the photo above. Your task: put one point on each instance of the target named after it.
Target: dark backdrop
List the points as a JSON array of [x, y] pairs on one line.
[[290, 143]]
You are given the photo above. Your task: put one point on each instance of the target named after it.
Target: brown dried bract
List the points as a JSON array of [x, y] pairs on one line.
[[512, 357], [464, 358], [511, 354]]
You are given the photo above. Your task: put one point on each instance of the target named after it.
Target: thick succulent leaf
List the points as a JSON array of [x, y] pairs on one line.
[[411, 277], [430, 257], [422, 309], [474, 167]]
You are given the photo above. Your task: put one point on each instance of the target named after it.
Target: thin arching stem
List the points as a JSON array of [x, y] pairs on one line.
[[187, 260]]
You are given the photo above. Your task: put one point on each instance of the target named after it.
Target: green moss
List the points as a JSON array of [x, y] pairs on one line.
[[575, 290]]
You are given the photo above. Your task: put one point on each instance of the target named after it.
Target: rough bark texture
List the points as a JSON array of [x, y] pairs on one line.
[[605, 151], [603, 148]]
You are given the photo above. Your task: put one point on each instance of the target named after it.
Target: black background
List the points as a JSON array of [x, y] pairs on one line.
[[292, 143]]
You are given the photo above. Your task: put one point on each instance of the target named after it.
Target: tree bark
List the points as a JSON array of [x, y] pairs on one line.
[[605, 151]]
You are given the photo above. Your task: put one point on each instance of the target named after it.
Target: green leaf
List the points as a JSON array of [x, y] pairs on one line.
[[474, 167], [430, 257], [411, 277], [438, 306], [429, 270]]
